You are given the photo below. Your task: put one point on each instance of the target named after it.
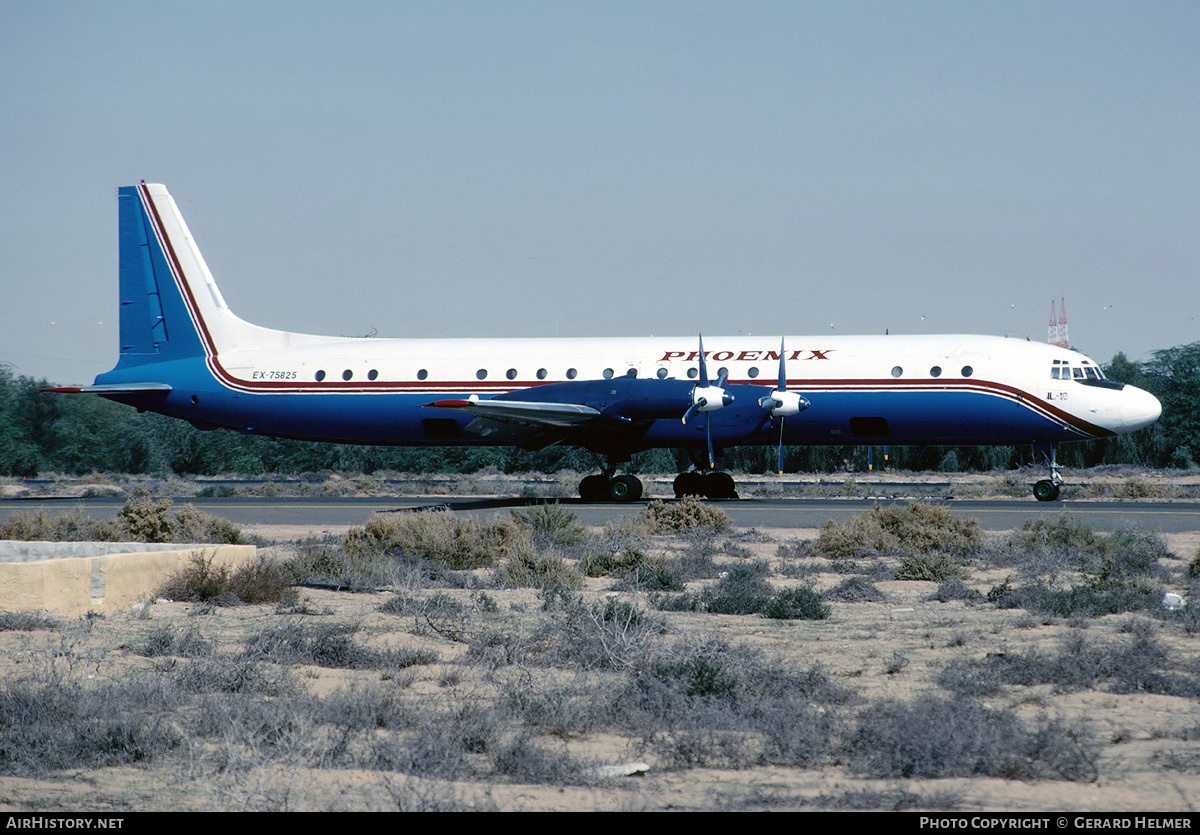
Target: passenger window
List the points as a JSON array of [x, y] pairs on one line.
[[661, 373], [608, 373], [541, 373], [967, 371], [753, 372], [572, 373], [372, 374], [897, 371], [936, 371], [511, 373], [347, 374], [631, 372], [693, 373], [422, 374], [481, 374], [320, 375]]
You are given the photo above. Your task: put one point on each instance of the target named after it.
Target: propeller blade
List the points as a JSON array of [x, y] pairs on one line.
[[703, 365], [712, 459], [779, 402], [779, 469], [782, 374], [782, 402], [695, 407]]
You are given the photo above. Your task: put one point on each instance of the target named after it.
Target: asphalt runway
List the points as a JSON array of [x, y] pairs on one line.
[[1163, 517]]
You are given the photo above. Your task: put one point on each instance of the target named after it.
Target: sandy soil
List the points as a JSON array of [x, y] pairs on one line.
[[1150, 758]]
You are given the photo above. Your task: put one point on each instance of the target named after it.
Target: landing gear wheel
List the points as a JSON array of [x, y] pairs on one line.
[[593, 488], [625, 488], [1045, 490], [689, 484], [720, 486]]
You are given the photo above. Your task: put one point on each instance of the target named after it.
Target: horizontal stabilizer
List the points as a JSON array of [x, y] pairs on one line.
[[113, 388]]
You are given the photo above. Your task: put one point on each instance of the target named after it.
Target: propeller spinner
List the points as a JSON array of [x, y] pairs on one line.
[[708, 398], [781, 403]]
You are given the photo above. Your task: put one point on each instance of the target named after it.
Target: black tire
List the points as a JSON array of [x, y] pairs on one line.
[[720, 486], [625, 488], [689, 484], [1045, 490], [594, 488]]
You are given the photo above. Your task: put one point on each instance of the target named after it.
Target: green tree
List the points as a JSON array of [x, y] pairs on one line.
[[1173, 376]]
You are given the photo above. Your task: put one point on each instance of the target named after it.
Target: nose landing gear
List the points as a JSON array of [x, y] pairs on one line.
[[1047, 489]]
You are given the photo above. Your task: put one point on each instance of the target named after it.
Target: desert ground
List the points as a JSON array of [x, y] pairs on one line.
[[554, 668]]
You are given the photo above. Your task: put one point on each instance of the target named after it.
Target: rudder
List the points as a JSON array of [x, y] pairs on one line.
[[155, 322]]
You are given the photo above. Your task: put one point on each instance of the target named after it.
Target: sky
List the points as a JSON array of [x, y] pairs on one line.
[[568, 168]]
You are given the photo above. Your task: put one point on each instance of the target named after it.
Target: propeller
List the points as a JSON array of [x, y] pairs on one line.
[[781, 403], [708, 398]]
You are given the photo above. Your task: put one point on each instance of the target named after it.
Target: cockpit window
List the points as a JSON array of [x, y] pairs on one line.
[[1062, 370]]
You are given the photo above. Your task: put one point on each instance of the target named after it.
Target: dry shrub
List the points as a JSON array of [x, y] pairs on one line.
[[531, 567], [630, 559], [1140, 488], [261, 581], [1193, 566], [72, 526], [329, 645], [743, 590], [1055, 533], [63, 726], [147, 519], [191, 525], [332, 564], [27, 621], [613, 634], [907, 528], [936, 738], [800, 603], [551, 524], [457, 542], [141, 519], [685, 514], [855, 590], [935, 567]]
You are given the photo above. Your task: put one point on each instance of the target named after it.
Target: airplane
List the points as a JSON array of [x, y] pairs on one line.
[[184, 353]]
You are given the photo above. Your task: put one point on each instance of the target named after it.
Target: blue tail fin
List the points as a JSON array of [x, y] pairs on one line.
[[156, 324]]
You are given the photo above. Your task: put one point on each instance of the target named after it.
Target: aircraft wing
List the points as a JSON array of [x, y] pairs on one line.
[[526, 423], [525, 412]]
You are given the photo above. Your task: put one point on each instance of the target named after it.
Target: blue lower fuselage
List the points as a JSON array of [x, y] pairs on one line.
[[835, 417]]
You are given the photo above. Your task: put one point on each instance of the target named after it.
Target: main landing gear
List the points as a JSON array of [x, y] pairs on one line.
[[711, 485], [610, 488], [1047, 489]]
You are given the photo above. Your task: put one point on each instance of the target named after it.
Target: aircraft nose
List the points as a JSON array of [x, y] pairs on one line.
[[1139, 408]]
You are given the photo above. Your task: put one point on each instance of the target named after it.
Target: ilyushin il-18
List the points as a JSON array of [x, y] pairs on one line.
[[184, 353]]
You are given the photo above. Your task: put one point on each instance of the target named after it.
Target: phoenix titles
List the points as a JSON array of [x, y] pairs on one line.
[[746, 356]]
